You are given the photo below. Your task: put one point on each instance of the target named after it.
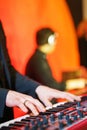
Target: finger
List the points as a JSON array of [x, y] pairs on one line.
[[78, 98], [22, 107], [33, 109], [71, 97], [67, 96], [39, 106], [47, 103]]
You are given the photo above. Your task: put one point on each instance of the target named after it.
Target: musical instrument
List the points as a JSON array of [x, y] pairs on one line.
[[62, 116]]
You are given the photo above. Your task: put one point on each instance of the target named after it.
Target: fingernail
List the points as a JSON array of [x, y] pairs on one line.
[[47, 108], [43, 110], [36, 113]]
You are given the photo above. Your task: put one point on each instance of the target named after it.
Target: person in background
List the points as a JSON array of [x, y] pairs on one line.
[[82, 39], [82, 46], [21, 91], [38, 67]]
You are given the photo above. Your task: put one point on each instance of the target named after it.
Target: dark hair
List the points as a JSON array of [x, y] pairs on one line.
[[42, 35]]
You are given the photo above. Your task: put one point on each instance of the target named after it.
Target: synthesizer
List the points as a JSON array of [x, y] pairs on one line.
[[62, 116]]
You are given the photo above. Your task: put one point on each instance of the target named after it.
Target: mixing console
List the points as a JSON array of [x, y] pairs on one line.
[[67, 116]]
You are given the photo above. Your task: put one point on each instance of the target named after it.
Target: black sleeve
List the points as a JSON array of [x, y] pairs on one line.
[[3, 93], [26, 85]]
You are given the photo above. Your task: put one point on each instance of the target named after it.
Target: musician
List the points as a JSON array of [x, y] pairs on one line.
[[18, 90], [82, 42], [38, 67]]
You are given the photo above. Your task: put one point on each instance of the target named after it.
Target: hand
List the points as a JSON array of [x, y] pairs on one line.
[[24, 102], [46, 94]]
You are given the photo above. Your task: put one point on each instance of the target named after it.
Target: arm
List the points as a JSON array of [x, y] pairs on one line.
[[25, 85]]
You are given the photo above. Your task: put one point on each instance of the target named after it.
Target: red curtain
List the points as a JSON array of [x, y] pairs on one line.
[[21, 19]]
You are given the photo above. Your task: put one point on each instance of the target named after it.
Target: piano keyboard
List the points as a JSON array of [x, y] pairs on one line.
[[27, 115], [62, 116]]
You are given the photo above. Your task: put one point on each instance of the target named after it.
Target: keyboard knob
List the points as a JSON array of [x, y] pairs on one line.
[[80, 113], [68, 119], [45, 120], [78, 104], [61, 125], [52, 118], [75, 117]]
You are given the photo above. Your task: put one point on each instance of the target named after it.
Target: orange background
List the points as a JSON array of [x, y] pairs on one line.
[[21, 19]]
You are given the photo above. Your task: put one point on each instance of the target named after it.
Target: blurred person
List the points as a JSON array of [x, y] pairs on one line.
[[82, 45], [18, 90], [38, 67], [82, 41]]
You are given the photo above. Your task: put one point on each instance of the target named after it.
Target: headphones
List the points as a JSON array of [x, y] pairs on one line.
[[51, 39]]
